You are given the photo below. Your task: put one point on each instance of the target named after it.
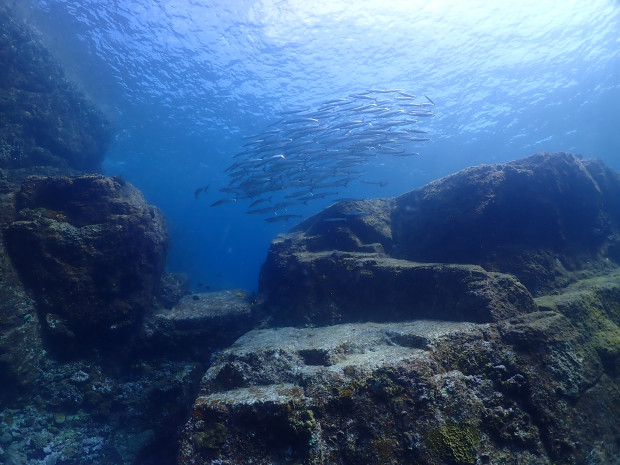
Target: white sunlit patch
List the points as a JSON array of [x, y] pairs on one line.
[[446, 22]]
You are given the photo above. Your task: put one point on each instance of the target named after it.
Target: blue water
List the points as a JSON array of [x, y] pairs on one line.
[[185, 80]]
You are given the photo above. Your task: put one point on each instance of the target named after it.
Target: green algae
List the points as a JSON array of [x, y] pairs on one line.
[[593, 306], [454, 443], [211, 438], [302, 422]]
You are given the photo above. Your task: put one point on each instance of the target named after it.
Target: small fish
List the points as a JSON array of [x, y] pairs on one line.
[[261, 211], [293, 111], [201, 189], [356, 213], [428, 98], [334, 219], [390, 150], [259, 201], [258, 141], [301, 120], [331, 102], [222, 202], [320, 195], [377, 183], [280, 218]]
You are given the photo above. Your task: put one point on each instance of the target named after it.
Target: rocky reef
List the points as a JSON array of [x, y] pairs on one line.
[[473, 320], [92, 252], [81, 268], [546, 220]]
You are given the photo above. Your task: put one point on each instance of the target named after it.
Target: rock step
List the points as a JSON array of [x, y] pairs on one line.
[[326, 288]]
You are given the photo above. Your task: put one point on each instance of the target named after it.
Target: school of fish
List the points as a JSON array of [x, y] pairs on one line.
[[312, 154]]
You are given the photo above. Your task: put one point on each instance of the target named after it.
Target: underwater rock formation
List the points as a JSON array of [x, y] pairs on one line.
[[335, 287], [103, 406], [538, 388], [92, 251], [547, 220], [199, 324], [446, 362], [539, 218], [45, 120]]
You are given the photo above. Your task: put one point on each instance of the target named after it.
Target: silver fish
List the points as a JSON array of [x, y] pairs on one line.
[[310, 151], [280, 218]]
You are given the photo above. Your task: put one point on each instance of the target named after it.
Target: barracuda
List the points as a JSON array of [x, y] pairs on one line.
[[309, 149]]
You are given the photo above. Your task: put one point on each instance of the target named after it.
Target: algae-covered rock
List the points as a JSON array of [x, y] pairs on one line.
[[548, 220], [335, 287], [349, 393], [92, 251], [530, 389], [199, 324]]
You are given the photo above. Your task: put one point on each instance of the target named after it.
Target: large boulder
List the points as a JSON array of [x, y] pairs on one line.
[[539, 218], [335, 287], [92, 251], [547, 220], [199, 324]]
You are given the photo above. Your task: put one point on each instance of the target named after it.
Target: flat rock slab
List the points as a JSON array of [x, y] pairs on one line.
[[536, 388], [340, 343], [208, 306], [200, 323], [262, 396], [338, 287]]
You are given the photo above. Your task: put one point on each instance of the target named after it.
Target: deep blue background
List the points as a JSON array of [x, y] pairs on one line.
[[185, 80]]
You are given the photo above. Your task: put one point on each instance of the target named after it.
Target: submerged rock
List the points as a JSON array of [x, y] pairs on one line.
[[539, 218], [548, 219], [334, 287], [199, 324], [92, 251], [538, 388]]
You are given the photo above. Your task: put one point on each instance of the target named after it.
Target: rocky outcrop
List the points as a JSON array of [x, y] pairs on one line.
[[538, 388], [451, 360], [199, 324], [92, 251], [335, 287], [541, 219], [547, 220]]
